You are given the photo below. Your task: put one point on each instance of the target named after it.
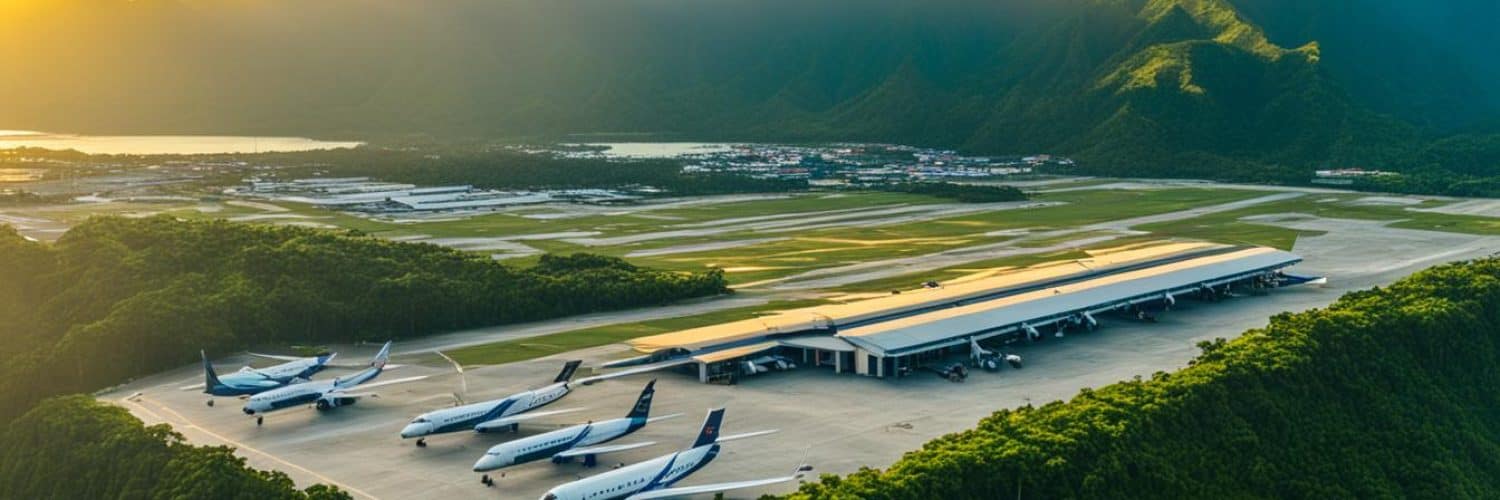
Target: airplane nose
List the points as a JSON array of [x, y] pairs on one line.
[[487, 463], [413, 430]]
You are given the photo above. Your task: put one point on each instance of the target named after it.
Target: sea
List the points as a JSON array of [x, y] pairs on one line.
[[164, 144]]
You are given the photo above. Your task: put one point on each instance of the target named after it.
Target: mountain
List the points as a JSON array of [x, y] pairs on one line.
[[1147, 87], [1432, 63]]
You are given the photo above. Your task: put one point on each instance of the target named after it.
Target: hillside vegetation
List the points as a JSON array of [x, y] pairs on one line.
[[116, 298], [1388, 393], [75, 447], [1139, 87]]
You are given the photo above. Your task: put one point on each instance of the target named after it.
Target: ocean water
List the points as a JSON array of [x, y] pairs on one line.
[[164, 144]]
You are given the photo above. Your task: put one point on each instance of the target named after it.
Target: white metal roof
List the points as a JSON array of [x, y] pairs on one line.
[[853, 313], [1050, 303]]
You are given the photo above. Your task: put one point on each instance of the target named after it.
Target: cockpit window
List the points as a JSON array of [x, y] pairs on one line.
[[419, 420], [550, 497]]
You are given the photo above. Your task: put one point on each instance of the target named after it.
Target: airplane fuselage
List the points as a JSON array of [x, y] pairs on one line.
[[252, 381], [305, 393], [548, 444], [287, 397], [657, 473], [469, 416]]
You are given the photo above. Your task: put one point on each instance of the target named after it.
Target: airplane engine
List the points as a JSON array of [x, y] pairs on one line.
[[990, 364], [328, 403]]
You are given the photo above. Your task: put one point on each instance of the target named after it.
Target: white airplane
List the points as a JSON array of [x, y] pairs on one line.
[[248, 381], [990, 360], [653, 478], [565, 444], [493, 415], [324, 394]]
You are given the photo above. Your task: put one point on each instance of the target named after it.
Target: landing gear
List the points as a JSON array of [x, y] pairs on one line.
[[515, 428], [259, 420], [485, 479], [210, 403], [422, 443], [590, 461]]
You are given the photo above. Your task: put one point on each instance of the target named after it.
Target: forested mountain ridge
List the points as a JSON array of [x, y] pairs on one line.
[[1144, 87], [1389, 392]]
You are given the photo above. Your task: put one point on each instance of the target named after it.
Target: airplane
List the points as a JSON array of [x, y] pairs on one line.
[[652, 479], [250, 381], [324, 394], [494, 414], [565, 444], [990, 360]]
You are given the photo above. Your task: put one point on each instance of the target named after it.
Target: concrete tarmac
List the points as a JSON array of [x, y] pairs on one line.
[[839, 423]]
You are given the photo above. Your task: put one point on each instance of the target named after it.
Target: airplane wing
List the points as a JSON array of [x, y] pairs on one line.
[[277, 356], [639, 369], [363, 391], [653, 420], [710, 488], [723, 439], [384, 383], [600, 450], [504, 422], [359, 366]]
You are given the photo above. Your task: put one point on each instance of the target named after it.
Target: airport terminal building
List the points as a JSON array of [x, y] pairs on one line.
[[892, 335]]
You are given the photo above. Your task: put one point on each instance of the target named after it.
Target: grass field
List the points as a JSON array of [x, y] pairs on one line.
[[547, 345], [1227, 227], [822, 248], [674, 232]]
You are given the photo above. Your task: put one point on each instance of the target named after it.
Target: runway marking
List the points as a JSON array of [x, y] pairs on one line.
[[241, 446]]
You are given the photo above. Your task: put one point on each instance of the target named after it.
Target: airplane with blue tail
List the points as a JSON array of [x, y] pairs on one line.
[[653, 479], [494, 415], [251, 381], [579, 441], [324, 394]]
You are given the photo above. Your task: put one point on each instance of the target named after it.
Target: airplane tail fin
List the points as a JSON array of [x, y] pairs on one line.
[[642, 408], [210, 379], [383, 357], [567, 371], [710, 433]]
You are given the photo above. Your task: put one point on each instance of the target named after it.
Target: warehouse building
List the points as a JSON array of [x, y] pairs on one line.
[[892, 335]]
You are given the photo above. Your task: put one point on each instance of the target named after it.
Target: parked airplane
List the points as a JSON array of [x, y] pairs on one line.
[[565, 444], [990, 360], [653, 478], [495, 414], [324, 394], [249, 381]]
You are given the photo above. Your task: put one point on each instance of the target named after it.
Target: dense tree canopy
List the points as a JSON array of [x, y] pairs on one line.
[[116, 298], [1388, 393], [965, 193], [75, 447]]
